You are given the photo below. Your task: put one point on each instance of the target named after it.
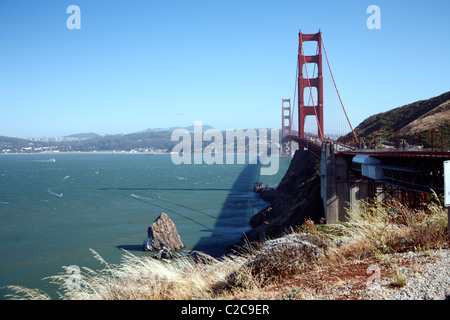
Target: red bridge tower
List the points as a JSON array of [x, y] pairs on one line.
[[305, 82], [286, 123]]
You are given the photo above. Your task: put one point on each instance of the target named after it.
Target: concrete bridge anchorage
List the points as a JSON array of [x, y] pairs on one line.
[[349, 174]]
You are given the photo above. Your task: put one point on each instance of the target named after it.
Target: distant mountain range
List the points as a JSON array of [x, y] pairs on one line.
[[149, 140], [412, 122], [144, 141], [171, 129]]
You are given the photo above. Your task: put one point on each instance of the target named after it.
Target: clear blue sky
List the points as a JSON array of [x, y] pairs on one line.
[[141, 64]]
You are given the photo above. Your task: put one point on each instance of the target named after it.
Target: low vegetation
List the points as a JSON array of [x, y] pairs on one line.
[[413, 123], [372, 229]]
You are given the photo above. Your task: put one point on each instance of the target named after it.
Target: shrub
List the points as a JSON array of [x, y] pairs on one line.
[[392, 227]]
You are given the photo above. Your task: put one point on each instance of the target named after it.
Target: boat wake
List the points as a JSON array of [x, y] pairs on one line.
[[140, 197], [49, 160], [54, 193]]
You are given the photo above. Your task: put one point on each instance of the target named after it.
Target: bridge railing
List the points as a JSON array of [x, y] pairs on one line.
[[314, 145]]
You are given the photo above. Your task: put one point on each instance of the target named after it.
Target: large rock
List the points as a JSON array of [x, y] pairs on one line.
[[279, 258], [162, 234]]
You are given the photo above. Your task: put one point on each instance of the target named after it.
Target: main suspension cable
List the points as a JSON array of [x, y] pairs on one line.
[[348, 120]]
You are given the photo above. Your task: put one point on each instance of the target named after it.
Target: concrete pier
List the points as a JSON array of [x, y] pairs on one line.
[[339, 186]]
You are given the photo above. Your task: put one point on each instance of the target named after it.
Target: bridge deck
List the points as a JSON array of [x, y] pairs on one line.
[[444, 155], [314, 145]]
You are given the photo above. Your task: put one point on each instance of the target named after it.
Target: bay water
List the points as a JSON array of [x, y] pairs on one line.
[[54, 208]]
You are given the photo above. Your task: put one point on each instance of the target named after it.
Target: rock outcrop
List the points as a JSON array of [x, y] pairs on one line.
[[162, 234], [280, 258], [164, 253], [292, 253]]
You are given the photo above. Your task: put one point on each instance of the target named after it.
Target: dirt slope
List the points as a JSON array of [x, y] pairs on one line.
[[410, 122]]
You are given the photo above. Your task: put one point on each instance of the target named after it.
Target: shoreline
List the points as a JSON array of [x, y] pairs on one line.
[[110, 152], [85, 152]]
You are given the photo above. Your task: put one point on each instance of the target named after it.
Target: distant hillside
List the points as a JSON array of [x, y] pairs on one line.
[[144, 141], [83, 136], [409, 122]]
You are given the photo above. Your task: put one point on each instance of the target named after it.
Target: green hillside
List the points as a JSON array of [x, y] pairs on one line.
[[413, 122]]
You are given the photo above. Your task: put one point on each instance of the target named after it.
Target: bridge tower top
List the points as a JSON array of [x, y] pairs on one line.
[[286, 117]]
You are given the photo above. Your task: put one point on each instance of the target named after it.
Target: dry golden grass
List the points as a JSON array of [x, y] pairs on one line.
[[145, 278], [23, 293], [371, 229], [393, 228]]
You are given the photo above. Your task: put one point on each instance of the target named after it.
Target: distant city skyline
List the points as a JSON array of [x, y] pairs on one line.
[[133, 65]]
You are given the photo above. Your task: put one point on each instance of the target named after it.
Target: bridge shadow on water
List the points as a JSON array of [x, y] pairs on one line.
[[234, 215], [231, 222]]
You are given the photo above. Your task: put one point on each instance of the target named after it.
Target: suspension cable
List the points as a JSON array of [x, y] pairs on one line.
[[329, 68]]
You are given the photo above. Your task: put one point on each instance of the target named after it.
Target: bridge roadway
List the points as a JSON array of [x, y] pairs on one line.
[[349, 174]]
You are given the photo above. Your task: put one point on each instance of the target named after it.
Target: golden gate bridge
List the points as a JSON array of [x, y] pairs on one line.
[[352, 170]]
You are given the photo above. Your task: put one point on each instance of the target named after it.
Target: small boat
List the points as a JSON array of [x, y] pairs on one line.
[[52, 160]]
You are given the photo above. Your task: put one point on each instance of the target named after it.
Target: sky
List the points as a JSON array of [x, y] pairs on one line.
[[139, 64]]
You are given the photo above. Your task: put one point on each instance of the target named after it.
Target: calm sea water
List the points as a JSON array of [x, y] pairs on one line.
[[53, 212]]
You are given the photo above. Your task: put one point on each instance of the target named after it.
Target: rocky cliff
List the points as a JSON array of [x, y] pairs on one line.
[[296, 198]]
